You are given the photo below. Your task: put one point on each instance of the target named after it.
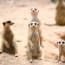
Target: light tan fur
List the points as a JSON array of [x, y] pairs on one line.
[[34, 43], [34, 14], [61, 50]]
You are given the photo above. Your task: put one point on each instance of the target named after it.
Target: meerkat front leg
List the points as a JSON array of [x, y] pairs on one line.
[[1, 48], [29, 54], [59, 58], [40, 39], [16, 54], [6, 43], [30, 47], [16, 49]]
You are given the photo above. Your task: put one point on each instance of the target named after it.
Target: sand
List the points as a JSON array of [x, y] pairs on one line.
[[50, 32]]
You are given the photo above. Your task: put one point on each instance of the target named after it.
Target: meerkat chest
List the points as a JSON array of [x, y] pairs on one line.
[[62, 49], [35, 36], [8, 36]]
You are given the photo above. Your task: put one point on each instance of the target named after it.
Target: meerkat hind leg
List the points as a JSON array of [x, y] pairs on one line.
[[29, 56], [10, 50]]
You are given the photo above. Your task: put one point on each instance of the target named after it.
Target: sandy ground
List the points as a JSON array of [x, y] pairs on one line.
[[21, 16]]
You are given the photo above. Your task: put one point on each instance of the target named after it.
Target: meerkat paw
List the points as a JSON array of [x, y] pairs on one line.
[[16, 55], [59, 61], [40, 58], [42, 46], [1, 51], [63, 61], [30, 60]]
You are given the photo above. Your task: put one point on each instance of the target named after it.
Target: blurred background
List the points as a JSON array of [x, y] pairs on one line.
[[25, 2]]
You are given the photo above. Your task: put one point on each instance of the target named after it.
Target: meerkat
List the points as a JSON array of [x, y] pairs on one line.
[[60, 13], [8, 44], [34, 14], [61, 45], [34, 41]]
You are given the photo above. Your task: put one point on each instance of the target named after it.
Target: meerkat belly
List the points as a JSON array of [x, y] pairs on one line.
[[8, 37], [35, 49], [36, 46], [35, 42], [63, 51], [35, 36]]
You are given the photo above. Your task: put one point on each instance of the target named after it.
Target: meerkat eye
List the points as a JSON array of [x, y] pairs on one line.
[[59, 42], [31, 23], [35, 23], [35, 9], [63, 42]]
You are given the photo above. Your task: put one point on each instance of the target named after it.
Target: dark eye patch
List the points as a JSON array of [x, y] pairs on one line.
[[31, 23], [63, 42], [59, 42], [8, 22], [35, 9], [35, 23]]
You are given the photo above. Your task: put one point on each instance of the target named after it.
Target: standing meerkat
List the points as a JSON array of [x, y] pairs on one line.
[[34, 14], [61, 45], [34, 41], [8, 45], [60, 13]]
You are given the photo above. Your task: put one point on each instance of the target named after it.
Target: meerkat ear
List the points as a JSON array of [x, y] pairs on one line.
[[31, 9], [3, 23], [57, 42], [38, 10], [28, 25]]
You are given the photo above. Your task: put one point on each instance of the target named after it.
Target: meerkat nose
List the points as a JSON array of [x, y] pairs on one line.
[[33, 11], [33, 26], [11, 23]]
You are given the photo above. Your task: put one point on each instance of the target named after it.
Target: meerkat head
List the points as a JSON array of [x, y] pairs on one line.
[[7, 24], [62, 2], [34, 11], [33, 25], [61, 43]]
